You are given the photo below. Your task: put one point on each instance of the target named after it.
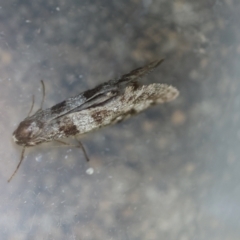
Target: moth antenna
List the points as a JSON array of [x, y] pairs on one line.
[[21, 159], [31, 106], [80, 145], [43, 97], [43, 91]]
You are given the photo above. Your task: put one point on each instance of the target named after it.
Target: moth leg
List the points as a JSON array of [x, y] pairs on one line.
[[21, 159], [83, 149], [79, 145]]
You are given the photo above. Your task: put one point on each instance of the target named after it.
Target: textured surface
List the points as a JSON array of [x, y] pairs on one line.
[[170, 173]]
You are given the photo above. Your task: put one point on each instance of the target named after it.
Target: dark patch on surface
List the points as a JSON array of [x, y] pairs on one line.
[[58, 107], [130, 99], [135, 85], [131, 112], [138, 100], [69, 130], [99, 116]]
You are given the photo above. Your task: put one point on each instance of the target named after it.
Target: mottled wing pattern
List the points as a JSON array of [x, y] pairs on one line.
[[132, 101], [95, 96], [106, 91]]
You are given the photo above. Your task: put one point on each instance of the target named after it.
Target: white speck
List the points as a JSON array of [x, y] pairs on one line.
[[66, 157], [28, 21], [38, 158], [80, 76], [58, 8], [90, 171]]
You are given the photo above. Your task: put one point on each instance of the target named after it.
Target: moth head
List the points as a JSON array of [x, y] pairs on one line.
[[27, 132]]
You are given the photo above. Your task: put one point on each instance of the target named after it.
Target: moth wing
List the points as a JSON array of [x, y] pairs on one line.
[[97, 101], [101, 93], [138, 73], [122, 82]]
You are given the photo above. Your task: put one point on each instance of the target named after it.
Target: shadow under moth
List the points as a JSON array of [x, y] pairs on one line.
[[107, 103]]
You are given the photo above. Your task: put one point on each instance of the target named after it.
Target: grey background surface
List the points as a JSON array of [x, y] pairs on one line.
[[171, 172]]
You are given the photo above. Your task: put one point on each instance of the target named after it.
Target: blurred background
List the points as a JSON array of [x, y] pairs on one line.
[[171, 172]]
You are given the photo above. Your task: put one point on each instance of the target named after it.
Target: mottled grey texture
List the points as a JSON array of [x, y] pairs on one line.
[[170, 173]]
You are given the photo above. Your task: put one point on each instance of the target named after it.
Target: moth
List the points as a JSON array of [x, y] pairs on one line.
[[107, 103]]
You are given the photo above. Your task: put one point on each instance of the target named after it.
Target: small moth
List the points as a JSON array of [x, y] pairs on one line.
[[108, 103]]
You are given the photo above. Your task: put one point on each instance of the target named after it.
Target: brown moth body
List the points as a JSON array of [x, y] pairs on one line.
[[106, 104]]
